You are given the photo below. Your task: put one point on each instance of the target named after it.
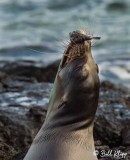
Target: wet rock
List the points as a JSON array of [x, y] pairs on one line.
[[37, 113], [126, 133], [127, 101], [111, 112], [20, 155], [107, 130], [127, 150], [14, 134], [6, 151], [30, 71], [22, 111], [98, 143], [21, 96], [3, 76]]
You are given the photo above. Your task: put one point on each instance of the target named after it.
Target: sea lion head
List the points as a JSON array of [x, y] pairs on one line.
[[80, 44]]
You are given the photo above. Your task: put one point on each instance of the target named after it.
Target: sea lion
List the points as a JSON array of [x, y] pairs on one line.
[[67, 133]]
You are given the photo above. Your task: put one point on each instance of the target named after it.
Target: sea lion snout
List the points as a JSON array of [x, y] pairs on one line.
[[80, 36]]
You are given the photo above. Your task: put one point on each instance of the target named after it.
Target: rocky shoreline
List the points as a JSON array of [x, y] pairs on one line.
[[24, 94]]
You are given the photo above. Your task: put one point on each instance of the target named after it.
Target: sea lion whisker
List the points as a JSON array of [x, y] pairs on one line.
[[35, 50], [58, 39], [94, 42], [81, 25], [69, 45], [65, 44], [68, 41], [73, 41], [61, 41]]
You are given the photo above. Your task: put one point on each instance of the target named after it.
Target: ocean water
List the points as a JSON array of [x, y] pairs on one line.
[[44, 25]]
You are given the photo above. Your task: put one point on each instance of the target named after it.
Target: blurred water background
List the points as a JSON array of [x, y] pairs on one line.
[[44, 25]]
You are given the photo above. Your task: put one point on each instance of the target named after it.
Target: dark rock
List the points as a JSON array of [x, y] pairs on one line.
[[14, 134], [126, 133], [37, 113], [98, 143], [127, 150], [20, 155], [127, 101], [22, 112], [107, 130], [29, 71], [6, 151]]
